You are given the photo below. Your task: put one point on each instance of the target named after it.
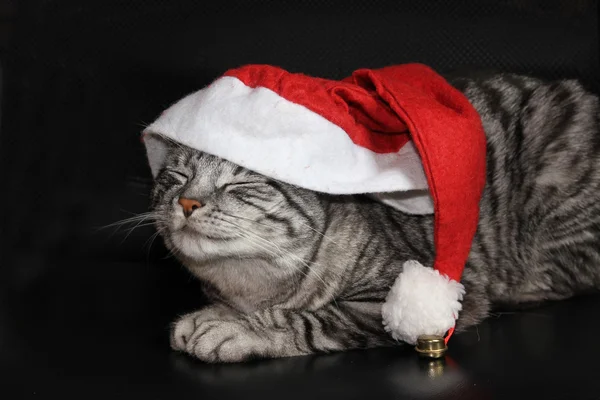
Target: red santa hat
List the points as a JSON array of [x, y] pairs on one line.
[[401, 134]]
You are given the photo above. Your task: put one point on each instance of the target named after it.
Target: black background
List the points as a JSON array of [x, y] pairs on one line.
[[84, 312]]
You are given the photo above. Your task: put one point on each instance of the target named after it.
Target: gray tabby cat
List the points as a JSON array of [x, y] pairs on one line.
[[295, 272]]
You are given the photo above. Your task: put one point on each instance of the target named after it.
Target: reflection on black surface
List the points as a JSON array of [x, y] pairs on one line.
[[399, 373], [422, 378]]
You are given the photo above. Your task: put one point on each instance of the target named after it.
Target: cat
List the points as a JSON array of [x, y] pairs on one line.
[[294, 272]]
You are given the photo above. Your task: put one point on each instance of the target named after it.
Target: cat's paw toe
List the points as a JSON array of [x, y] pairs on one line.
[[181, 333], [222, 341]]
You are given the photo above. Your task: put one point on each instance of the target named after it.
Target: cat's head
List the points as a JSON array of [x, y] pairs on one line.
[[207, 208]]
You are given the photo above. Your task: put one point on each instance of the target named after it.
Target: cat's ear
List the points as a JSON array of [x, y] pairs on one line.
[[158, 148]]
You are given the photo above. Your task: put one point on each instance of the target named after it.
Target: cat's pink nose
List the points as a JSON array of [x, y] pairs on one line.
[[189, 205]]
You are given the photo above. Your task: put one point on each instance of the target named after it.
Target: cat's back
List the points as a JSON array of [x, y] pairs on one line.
[[540, 211], [528, 114], [541, 135]]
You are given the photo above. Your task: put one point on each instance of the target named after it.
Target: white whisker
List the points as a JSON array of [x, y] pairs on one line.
[[136, 218], [320, 233], [284, 230], [254, 222], [152, 238], [316, 272], [138, 225], [277, 255]]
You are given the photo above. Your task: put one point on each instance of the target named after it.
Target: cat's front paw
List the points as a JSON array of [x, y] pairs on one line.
[[215, 339], [225, 341]]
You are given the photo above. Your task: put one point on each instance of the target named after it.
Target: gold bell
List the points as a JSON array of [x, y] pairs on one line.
[[431, 346]]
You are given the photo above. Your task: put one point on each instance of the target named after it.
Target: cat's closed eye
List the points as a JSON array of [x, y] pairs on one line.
[[238, 184], [178, 174]]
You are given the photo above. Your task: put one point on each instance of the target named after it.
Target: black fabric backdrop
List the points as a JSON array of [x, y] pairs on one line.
[[80, 80]]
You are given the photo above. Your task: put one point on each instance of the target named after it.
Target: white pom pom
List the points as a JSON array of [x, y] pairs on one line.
[[421, 302]]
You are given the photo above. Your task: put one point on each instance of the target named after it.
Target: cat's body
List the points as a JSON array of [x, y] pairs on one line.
[[295, 272]]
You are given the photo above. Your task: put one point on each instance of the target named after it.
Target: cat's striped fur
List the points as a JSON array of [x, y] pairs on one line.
[[295, 272]]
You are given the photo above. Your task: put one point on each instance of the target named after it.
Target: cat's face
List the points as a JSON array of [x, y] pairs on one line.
[[208, 208]]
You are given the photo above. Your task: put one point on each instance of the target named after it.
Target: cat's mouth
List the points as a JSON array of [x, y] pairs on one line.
[[192, 231], [185, 229], [188, 229]]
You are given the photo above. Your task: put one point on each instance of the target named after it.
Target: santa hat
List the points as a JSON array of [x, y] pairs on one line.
[[401, 134]]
